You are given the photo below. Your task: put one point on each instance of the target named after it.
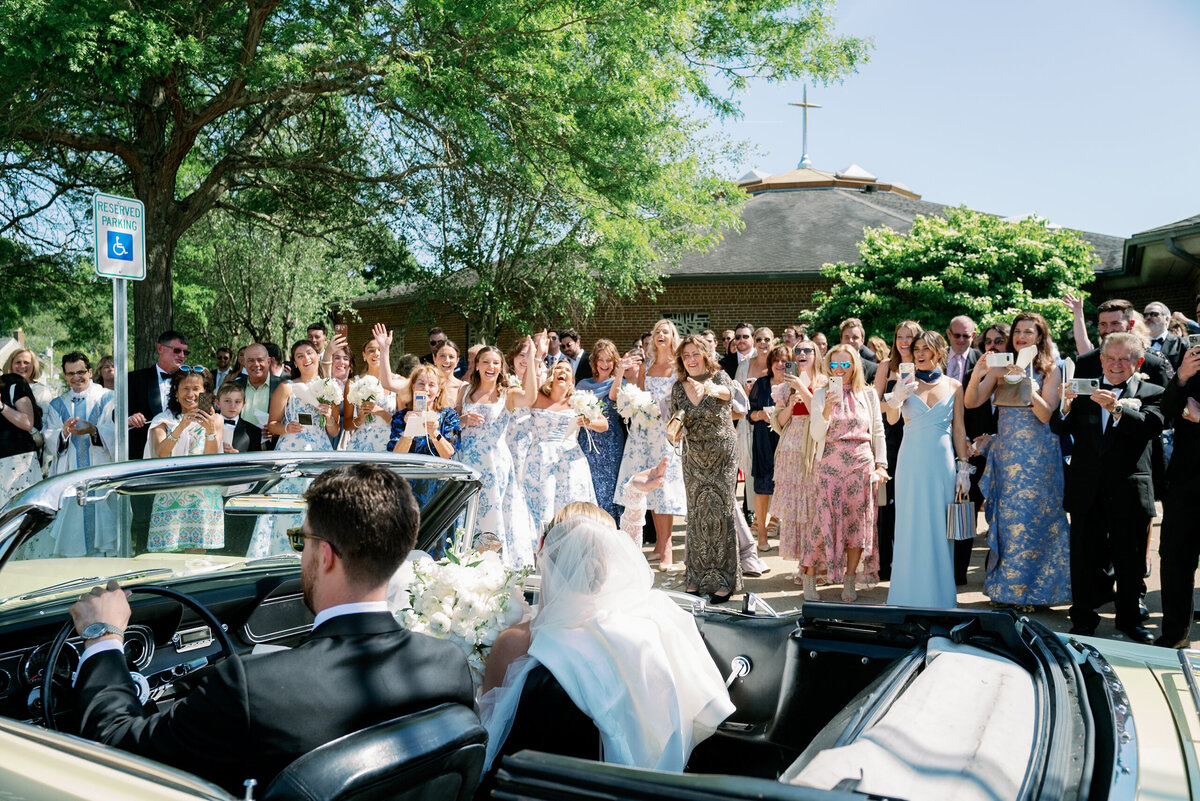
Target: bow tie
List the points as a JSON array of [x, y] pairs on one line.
[[232, 422], [1156, 341]]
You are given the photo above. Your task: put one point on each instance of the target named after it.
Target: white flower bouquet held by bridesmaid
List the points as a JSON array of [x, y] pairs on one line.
[[638, 408], [326, 391], [364, 389]]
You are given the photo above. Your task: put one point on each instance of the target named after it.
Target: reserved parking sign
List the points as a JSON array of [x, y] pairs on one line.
[[120, 236]]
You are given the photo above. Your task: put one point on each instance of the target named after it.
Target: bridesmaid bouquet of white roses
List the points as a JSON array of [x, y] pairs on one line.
[[468, 600], [326, 390], [364, 389], [585, 404], [637, 406]]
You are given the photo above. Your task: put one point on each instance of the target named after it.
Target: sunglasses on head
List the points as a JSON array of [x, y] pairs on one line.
[[190, 368], [296, 538], [844, 365]]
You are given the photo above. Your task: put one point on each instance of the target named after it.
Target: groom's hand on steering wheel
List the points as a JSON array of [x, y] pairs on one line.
[[102, 605]]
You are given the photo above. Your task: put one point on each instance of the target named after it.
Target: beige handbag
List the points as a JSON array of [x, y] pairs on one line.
[[1018, 394]]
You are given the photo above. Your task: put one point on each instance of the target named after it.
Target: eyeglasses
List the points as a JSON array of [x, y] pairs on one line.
[[762, 339], [741, 336], [993, 340], [728, 339], [179, 351], [961, 336], [1152, 314], [433, 343], [296, 538], [804, 351], [76, 373], [844, 365]]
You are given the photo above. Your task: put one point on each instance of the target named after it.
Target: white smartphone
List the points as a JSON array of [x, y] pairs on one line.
[[835, 386], [420, 403], [907, 369], [1084, 386], [999, 359]]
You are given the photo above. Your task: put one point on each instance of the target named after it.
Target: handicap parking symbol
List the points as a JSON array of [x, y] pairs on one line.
[[120, 246]]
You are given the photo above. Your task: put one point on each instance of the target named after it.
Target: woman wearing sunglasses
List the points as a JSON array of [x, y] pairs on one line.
[[885, 380], [795, 459], [932, 407], [188, 519], [846, 413], [748, 371]]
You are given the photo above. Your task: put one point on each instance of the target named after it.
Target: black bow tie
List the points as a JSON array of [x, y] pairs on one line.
[[1156, 341], [232, 422]]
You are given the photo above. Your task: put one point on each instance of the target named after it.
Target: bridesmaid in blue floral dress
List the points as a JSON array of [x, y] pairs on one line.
[[288, 402], [933, 434], [645, 449], [557, 472], [486, 411], [371, 435], [604, 451], [1028, 536]]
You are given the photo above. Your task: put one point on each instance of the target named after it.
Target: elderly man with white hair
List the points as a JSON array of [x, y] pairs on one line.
[[961, 359]]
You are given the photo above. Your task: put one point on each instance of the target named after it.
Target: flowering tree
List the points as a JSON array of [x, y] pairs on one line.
[[964, 263]]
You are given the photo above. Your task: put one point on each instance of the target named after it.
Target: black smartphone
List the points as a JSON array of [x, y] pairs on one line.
[[304, 419]]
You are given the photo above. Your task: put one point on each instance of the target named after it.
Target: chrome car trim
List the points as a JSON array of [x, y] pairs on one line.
[[270, 636], [1189, 660], [1125, 768]]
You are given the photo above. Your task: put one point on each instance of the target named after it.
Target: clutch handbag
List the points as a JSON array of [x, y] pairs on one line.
[[1018, 394], [960, 518], [675, 425]]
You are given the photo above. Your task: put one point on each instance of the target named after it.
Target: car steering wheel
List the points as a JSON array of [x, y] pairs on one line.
[[56, 647]]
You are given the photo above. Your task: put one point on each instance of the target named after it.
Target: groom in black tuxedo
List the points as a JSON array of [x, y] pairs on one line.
[[1109, 489], [253, 715]]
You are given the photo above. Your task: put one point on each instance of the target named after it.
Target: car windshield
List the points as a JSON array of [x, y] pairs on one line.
[[173, 524]]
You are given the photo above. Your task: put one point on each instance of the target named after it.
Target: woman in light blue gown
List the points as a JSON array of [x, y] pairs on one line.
[[932, 405]]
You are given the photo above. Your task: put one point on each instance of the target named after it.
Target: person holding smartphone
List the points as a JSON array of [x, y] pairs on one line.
[[426, 425], [764, 440], [188, 519], [846, 413], [295, 414]]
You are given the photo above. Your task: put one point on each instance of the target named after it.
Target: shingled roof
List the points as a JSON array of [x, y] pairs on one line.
[[798, 221]]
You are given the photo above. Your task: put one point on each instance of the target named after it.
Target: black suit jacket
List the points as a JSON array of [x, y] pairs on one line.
[[251, 716], [1157, 369], [1184, 469], [1173, 349], [246, 437], [1114, 468], [144, 398], [256, 431], [584, 368], [729, 363]]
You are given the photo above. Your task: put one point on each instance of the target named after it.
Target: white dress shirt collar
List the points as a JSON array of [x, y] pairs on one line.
[[349, 609]]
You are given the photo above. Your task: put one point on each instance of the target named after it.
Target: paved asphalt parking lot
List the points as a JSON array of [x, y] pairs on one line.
[[778, 588]]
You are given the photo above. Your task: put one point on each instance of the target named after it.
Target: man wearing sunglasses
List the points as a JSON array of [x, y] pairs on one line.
[[251, 717], [743, 348], [150, 386]]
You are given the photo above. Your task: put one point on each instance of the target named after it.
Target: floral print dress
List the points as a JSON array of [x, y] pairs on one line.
[[556, 471]]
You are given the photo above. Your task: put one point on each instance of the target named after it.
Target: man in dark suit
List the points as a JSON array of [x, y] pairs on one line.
[[1109, 489], [251, 717], [150, 387], [743, 348], [1179, 544], [980, 423], [855, 335], [961, 359], [568, 343], [1172, 348], [258, 385]]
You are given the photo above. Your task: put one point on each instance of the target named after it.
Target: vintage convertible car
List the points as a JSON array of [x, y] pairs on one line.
[[834, 701]]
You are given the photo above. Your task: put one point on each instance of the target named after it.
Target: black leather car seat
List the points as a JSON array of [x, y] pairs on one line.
[[433, 755]]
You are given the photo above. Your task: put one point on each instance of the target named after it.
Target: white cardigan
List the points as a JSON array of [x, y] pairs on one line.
[[818, 426]]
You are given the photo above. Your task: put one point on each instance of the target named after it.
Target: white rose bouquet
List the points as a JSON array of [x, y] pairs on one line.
[[364, 389], [637, 406], [585, 404], [468, 600], [326, 390]]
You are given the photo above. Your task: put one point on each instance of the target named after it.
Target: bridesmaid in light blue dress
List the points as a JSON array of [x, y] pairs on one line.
[[557, 472], [371, 435], [923, 558], [486, 412], [604, 451]]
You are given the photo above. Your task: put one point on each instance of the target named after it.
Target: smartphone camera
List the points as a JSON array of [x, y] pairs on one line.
[[304, 418], [1084, 386], [790, 368], [420, 403], [1193, 341], [999, 359]]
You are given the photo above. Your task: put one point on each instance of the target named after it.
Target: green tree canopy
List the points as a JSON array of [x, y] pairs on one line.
[[964, 263], [317, 117]]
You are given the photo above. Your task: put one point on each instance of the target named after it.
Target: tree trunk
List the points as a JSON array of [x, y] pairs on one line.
[[153, 308]]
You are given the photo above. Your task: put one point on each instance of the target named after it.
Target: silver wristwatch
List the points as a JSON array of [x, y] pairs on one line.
[[96, 630]]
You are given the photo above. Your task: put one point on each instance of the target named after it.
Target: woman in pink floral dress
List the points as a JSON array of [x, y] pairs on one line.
[[854, 460]]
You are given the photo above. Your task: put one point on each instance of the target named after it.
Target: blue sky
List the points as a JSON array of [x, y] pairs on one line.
[[1082, 112]]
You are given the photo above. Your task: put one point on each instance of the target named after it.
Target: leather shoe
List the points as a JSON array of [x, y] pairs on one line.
[[719, 599], [1138, 634], [1163, 642], [1083, 631], [1143, 611]]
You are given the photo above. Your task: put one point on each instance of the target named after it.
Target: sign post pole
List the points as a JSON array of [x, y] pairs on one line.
[[121, 366]]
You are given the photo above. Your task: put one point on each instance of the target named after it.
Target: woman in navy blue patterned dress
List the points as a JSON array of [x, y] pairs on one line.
[[604, 450]]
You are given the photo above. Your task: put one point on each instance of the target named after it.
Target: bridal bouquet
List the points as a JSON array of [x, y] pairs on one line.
[[326, 390], [468, 600], [364, 389], [585, 404], [637, 406]]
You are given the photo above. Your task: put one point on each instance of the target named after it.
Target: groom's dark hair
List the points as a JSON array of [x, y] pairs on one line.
[[370, 517]]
